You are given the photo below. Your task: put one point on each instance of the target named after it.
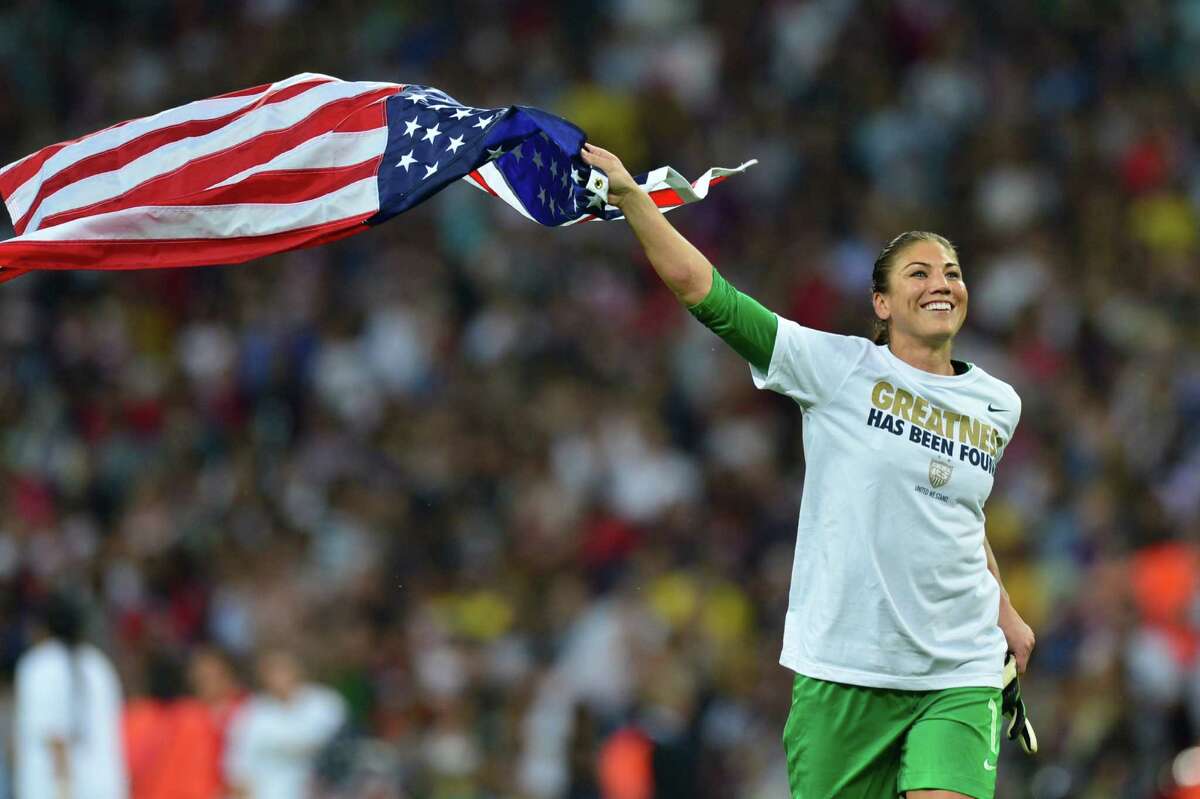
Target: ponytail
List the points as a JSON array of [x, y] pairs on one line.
[[880, 331]]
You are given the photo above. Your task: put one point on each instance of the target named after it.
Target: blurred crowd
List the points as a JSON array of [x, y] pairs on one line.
[[492, 486]]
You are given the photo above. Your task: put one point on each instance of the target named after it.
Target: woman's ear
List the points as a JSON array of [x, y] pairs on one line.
[[881, 306]]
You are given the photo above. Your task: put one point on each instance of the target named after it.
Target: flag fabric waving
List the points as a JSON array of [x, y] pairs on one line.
[[292, 164]]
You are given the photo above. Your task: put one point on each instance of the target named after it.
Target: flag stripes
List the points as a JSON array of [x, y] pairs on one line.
[[182, 166], [144, 253], [198, 171], [21, 182]]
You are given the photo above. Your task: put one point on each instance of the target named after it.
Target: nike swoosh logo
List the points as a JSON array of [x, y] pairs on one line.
[[996, 410], [988, 766]]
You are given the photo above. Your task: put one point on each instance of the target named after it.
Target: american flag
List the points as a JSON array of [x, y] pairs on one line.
[[292, 164]]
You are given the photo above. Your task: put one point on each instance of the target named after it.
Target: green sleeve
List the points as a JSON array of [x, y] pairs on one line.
[[740, 320]]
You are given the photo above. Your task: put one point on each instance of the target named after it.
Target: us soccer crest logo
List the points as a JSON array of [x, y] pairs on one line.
[[939, 472]]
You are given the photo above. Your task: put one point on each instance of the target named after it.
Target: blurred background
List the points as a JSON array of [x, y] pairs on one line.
[[488, 493]]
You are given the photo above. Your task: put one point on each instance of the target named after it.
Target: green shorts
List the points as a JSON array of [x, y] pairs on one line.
[[851, 742]]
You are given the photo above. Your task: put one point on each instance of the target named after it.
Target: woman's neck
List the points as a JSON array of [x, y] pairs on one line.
[[921, 355]]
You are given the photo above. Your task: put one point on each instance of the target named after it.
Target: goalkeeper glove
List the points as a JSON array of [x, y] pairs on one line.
[[1013, 708]]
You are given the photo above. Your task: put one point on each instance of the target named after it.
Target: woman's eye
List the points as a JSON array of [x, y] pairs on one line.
[[919, 273]]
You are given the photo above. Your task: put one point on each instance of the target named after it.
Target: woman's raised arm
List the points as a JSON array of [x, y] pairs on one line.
[[687, 273]]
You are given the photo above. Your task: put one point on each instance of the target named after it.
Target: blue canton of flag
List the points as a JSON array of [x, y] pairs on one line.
[[532, 157]]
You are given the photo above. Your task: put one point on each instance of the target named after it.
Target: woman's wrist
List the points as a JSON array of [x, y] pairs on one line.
[[628, 199]]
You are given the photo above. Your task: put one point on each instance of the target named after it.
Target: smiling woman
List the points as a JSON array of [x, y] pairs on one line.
[[920, 299], [897, 625]]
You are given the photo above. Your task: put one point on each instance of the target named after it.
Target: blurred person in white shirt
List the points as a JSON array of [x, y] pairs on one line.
[[67, 736], [274, 739]]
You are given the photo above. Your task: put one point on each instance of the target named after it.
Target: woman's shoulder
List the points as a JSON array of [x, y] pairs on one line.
[[792, 328], [1002, 391]]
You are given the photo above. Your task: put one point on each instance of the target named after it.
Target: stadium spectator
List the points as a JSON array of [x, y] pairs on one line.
[[67, 712], [274, 739], [171, 742]]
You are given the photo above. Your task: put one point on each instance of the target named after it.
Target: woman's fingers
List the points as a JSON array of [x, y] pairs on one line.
[[598, 154], [620, 182]]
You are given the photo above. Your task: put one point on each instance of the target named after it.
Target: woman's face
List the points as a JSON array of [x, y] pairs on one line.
[[926, 297]]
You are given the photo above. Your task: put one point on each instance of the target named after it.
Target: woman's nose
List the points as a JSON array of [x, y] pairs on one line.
[[938, 282]]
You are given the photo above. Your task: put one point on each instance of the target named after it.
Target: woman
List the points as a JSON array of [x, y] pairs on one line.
[[897, 624]]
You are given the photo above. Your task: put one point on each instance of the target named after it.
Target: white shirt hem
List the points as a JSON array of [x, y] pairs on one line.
[[935, 682]]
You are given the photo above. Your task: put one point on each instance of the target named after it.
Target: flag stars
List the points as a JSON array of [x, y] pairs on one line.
[[431, 133], [558, 200]]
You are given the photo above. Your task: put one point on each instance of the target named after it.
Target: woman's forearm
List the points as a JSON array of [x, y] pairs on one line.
[[1017, 634], [994, 568], [685, 270]]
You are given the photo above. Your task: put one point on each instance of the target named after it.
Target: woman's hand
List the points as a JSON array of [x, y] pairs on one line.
[[621, 185], [1017, 633]]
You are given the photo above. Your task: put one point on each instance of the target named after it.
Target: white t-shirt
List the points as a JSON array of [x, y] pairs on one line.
[[80, 703], [272, 744], [890, 587]]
